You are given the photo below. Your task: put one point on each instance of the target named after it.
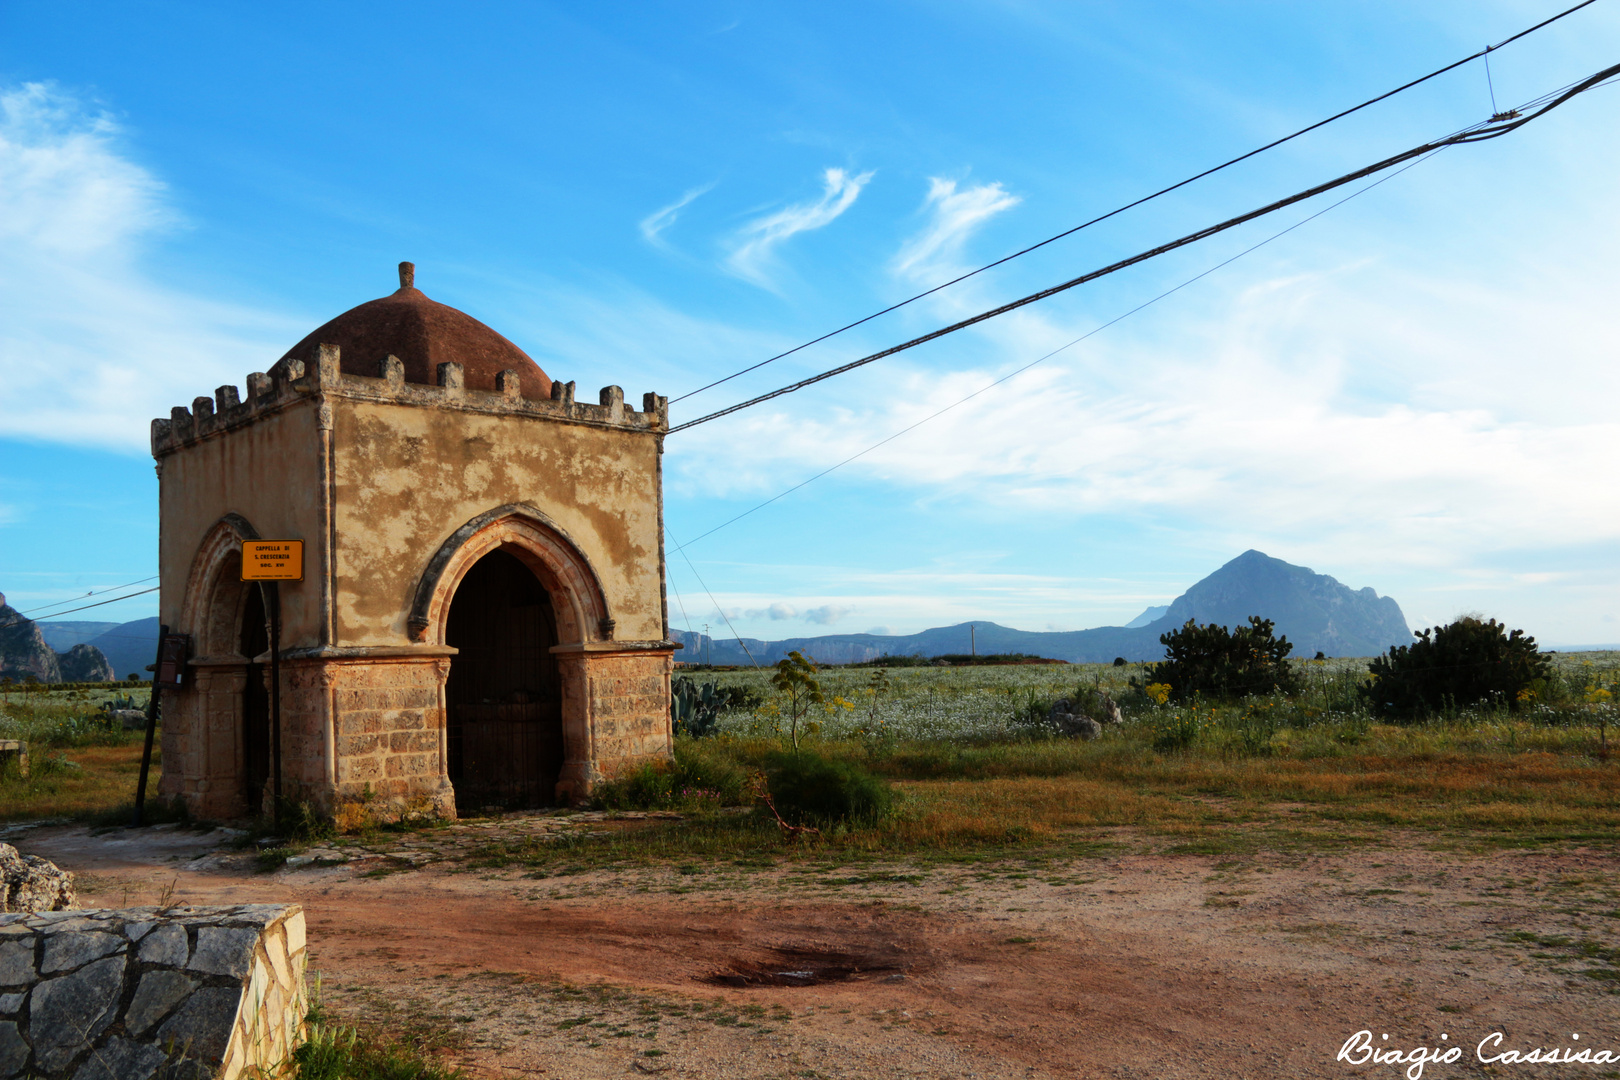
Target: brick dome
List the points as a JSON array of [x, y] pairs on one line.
[[423, 334]]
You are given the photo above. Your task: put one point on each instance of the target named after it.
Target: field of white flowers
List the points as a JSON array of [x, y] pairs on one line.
[[1010, 702]]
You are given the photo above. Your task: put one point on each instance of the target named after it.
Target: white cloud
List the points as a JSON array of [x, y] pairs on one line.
[[827, 614], [1369, 410], [755, 243], [934, 254], [777, 612], [653, 225], [91, 349]]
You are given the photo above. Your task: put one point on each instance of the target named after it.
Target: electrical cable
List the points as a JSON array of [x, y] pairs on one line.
[[19, 621], [1499, 125], [1485, 52], [92, 592], [1062, 348], [681, 548]]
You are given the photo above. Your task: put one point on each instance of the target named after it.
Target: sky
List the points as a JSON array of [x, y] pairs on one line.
[[1414, 391]]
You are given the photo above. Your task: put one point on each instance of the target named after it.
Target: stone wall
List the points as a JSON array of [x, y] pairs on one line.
[[152, 994]]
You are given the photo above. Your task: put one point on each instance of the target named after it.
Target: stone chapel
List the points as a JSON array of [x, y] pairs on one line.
[[482, 617]]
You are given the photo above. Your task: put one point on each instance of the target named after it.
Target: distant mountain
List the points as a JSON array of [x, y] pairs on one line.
[[26, 649], [1314, 611], [62, 636], [1152, 614], [130, 647], [23, 651]]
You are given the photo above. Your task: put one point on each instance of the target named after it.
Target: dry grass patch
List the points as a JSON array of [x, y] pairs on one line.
[[76, 782]]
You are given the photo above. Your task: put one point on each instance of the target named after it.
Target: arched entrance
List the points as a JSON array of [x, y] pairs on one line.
[[254, 641], [503, 698]]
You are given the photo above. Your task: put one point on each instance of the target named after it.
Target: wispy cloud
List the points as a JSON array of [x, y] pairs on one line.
[[653, 225], [91, 349], [754, 244], [777, 612], [827, 614], [953, 216]]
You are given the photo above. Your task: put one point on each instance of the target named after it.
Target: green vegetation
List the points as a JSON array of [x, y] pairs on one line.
[[1465, 663], [694, 709], [336, 1051], [82, 763], [1212, 661], [809, 789], [702, 778]]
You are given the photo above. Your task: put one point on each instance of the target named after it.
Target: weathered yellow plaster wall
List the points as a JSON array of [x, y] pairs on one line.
[[267, 472], [408, 477]]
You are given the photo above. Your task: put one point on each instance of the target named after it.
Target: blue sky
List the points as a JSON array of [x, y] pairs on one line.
[[1416, 391]]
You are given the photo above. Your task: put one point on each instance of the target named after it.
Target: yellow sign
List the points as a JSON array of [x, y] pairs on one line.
[[272, 560]]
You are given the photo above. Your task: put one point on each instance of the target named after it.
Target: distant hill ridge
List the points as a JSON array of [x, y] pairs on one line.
[[24, 653], [1314, 611]]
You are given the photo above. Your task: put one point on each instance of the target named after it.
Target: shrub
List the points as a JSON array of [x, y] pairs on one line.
[[700, 778], [1465, 663], [1216, 662], [809, 789], [1176, 730]]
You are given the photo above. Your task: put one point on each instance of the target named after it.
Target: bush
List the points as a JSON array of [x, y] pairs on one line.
[[698, 779], [809, 789], [1216, 662], [1453, 666]]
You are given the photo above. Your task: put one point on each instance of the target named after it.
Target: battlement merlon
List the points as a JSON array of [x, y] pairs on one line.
[[292, 381]]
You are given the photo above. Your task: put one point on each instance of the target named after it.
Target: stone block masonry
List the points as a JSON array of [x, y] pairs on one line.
[[152, 993]]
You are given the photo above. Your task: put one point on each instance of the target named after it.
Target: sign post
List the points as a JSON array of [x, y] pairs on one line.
[[270, 562]]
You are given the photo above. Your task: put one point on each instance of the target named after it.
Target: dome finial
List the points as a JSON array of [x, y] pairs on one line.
[[407, 275]]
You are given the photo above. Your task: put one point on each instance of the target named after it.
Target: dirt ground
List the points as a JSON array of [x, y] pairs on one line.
[[1135, 965]]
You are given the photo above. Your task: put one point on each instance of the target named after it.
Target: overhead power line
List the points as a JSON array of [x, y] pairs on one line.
[[1494, 128], [92, 592], [1485, 52], [128, 596], [1038, 360]]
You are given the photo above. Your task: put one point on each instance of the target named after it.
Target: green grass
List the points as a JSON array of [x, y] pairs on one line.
[[339, 1051]]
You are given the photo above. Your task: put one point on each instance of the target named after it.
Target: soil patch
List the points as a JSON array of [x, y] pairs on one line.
[[1170, 965]]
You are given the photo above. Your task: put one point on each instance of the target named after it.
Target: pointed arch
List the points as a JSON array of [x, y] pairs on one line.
[[540, 544], [215, 593]]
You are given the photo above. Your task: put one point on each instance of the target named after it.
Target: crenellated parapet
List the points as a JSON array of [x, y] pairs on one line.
[[292, 381]]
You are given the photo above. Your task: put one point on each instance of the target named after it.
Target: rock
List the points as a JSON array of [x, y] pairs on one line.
[[30, 884], [23, 651], [1078, 725], [223, 951], [84, 663], [1108, 711], [132, 719], [165, 945], [159, 992], [68, 1012], [121, 1059], [203, 1025], [64, 952], [17, 962], [13, 1050], [1071, 723]]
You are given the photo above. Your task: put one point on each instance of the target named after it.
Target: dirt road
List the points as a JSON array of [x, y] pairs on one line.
[[1131, 966]]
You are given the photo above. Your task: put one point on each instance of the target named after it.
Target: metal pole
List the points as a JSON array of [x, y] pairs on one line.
[[973, 641], [151, 726], [274, 610]]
